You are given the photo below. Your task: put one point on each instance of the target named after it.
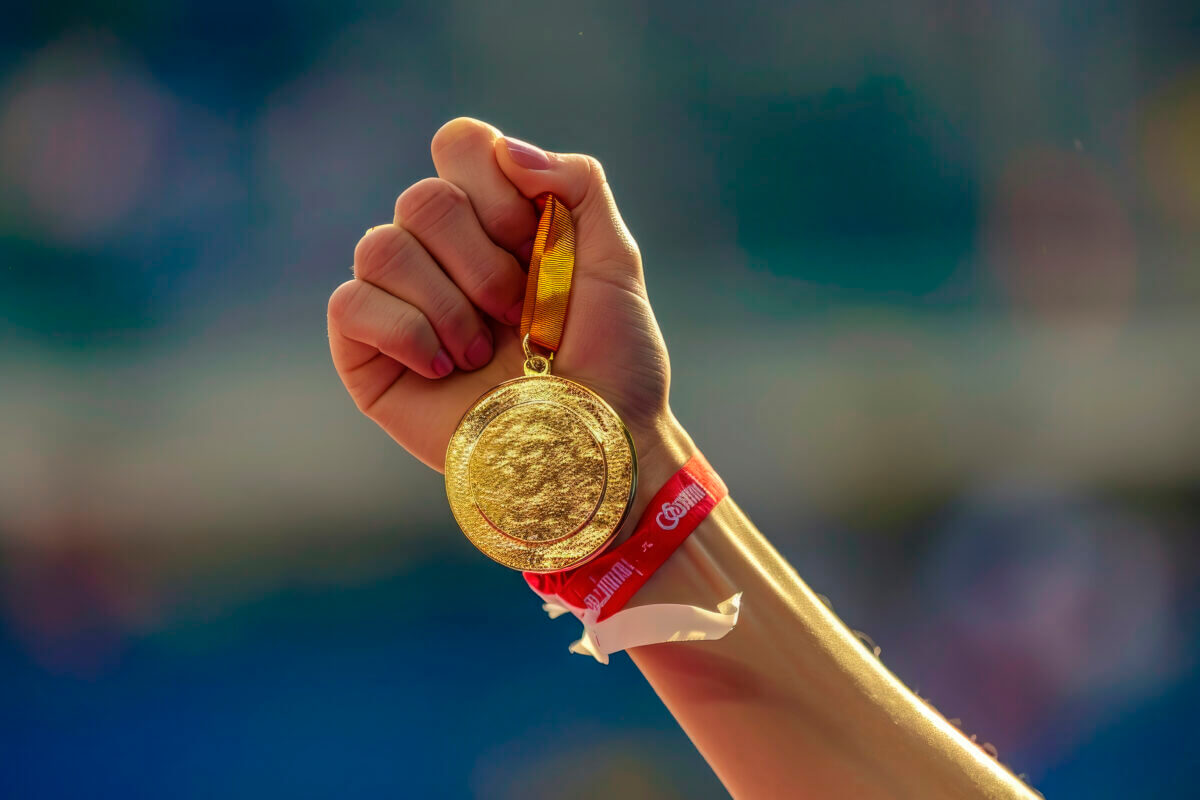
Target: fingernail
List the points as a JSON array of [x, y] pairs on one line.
[[479, 352], [442, 365], [513, 315], [527, 155]]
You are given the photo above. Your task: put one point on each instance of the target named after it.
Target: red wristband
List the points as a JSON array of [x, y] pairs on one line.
[[605, 584]]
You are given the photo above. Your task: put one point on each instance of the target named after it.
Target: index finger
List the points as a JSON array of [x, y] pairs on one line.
[[464, 153]]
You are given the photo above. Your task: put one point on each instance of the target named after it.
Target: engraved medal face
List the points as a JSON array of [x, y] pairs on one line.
[[540, 473]]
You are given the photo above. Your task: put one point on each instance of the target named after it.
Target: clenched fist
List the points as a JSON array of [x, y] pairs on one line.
[[428, 324]]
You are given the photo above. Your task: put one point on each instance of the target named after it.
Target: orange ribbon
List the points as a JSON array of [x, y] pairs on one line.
[[550, 267]]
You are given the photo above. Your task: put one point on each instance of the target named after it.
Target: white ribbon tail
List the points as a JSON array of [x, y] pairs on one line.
[[666, 622], [554, 608]]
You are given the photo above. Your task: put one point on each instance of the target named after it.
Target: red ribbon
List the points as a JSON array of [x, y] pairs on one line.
[[605, 584]]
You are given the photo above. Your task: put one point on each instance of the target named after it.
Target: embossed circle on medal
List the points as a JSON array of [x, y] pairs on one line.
[[540, 474], [541, 471]]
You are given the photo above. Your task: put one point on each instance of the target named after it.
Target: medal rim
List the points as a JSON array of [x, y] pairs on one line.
[[479, 533]]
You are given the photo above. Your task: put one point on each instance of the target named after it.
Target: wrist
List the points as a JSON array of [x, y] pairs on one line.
[[661, 452], [691, 575]]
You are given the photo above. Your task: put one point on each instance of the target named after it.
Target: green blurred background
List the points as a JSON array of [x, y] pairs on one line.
[[929, 273]]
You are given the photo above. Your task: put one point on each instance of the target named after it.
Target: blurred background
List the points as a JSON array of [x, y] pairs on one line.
[[929, 272]]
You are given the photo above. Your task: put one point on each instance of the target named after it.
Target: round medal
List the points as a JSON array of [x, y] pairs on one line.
[[540, 473]]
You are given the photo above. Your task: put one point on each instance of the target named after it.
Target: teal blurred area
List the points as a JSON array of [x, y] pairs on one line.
[[929, 273]]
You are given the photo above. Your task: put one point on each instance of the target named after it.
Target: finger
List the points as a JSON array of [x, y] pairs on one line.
[[366, 372], [439, 214], [391, 258], [413, 410], [602, 240], [464, 153], [370, 316]]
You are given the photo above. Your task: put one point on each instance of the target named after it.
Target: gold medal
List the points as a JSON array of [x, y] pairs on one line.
[[541, 472]]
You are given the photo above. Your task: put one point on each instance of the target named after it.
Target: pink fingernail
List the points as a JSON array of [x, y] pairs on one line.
[[513, 315], [527, 155], [480, 351], [442, 365]]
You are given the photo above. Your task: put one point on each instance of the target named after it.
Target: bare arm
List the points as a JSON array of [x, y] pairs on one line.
[[790, 704]]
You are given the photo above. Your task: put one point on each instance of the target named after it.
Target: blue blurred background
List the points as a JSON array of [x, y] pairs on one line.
[[929, 273]]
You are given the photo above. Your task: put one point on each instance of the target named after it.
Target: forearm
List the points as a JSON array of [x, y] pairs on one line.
[[790, 704]]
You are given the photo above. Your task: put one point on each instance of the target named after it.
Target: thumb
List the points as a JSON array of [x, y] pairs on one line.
[[602, 242]]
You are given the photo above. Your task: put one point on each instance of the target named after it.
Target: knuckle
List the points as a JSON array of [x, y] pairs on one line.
[[343, 301], [503, 216], [369, 242], [446, 312], [460, 135], [588, 173], [486, 283], [383, 251], [595, 170], [402, 332], [425, 204]]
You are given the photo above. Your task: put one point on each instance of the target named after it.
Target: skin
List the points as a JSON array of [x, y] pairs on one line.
[[789, 704]]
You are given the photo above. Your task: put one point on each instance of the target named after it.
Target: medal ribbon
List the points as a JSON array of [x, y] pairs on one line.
[[550, 266]]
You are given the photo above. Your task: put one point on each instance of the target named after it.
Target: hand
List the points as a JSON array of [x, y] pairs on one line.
[[427, 324]]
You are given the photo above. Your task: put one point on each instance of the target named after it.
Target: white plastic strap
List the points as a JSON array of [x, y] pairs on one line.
[[633, 627]]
